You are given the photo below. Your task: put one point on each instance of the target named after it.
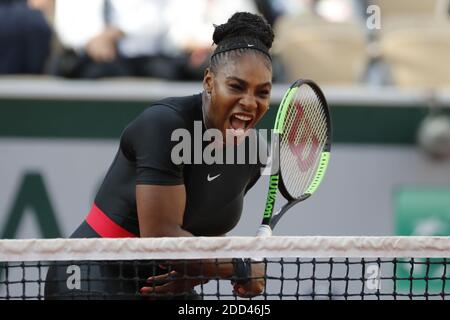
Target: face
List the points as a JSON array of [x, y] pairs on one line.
[[240, 94]]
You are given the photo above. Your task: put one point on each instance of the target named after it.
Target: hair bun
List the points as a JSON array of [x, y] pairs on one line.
[[245, 24]]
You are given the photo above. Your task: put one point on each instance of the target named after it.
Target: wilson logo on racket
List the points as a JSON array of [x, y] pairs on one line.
[[304, 162], [273, 187]]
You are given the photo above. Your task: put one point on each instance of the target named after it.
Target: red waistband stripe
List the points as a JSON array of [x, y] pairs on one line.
[[105, 226]]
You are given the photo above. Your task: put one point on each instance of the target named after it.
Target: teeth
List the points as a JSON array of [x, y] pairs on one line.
[[243, 118]]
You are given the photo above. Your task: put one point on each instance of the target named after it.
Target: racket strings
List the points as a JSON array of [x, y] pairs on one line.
[[318, 129], [297, 185], [312, 162], [318, 121], [313, 126], [304, 137], [292, 163]]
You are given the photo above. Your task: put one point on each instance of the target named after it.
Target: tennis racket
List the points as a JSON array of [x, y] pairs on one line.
[[300, 149]]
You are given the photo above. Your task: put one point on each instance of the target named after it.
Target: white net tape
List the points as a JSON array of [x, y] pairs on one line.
[[223, 247]]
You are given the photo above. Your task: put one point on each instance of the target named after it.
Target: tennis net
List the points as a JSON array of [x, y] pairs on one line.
[[303, 268]]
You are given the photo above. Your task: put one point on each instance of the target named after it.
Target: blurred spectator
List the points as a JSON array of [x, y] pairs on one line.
[[47, 7], [336, 10], [191, 25], [107, 38], [330, 10], [270, 9], [273, 9], [24, 38]]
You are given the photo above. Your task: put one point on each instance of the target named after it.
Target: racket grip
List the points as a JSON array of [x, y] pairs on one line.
[[264, 231]]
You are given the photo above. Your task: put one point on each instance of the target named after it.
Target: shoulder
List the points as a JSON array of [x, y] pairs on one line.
[[185, 107], [167, 114]]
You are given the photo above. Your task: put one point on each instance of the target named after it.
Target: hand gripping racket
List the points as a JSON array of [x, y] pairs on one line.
[[300, 149]]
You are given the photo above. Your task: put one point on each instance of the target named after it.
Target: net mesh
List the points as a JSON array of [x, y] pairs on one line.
[[292, 268], [304, 136]]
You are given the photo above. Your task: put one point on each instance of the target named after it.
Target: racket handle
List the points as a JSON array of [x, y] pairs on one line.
[[264, 231]]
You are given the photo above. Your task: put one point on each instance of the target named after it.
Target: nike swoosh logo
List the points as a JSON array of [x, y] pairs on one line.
[[250, 45], [213, 178]]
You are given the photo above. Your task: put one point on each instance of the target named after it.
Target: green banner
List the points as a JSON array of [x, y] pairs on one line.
[[422, 211]]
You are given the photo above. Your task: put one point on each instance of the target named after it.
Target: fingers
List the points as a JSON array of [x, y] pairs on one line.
[[238, 290], [166, 276], [250, 289], [165, 288], [171, 285]]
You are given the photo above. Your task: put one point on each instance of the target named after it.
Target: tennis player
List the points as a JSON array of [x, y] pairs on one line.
[[145, 194]]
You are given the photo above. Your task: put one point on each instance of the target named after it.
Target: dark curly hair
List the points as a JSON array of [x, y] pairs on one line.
[[243, 32]]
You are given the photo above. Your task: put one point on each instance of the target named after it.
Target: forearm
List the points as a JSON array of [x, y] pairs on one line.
[[170, 231], [206, 268], [238, 270]]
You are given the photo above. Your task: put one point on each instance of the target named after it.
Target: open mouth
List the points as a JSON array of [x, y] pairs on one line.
[[240, 122]]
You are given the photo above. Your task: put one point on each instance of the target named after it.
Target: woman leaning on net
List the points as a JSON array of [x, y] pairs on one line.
[[146, 194]]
